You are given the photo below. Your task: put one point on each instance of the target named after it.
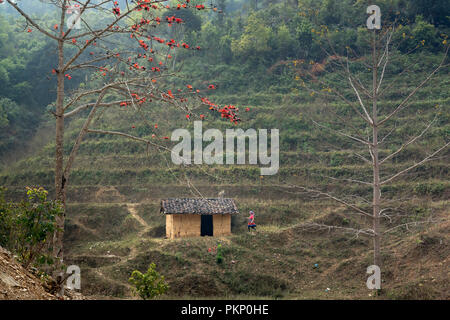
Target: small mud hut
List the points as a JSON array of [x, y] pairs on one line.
[[198, 217]]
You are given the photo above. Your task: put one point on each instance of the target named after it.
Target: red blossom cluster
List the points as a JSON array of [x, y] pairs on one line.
[[136, 27], [136, 97], [103, 71], [143, 44], [144, 5], [173, 19], [228, 112], [139, 99], [172, 43], [212, 250], [116, 11]]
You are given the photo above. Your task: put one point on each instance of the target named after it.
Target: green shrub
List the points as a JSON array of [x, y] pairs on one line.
[[27, 227], [150, 284], [219, 256], [5, 220]]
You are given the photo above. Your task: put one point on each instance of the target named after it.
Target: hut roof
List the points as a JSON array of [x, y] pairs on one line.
[[198, 206]]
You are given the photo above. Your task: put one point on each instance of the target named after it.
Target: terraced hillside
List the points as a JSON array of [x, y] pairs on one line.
[[114, 225]]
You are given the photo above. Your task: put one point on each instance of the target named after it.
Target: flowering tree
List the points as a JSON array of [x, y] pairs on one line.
[[125, 61]]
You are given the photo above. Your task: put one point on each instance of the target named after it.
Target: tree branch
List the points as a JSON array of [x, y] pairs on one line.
[[81, 135], [342, 134], [318, 192], [367, 232], [428, 158], [402, 104], [408, 143], [31, 21]]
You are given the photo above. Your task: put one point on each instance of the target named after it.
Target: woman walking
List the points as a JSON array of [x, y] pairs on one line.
[[251, 221]]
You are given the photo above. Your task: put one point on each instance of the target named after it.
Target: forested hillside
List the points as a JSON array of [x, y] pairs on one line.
[[246, 46], [278, 63]]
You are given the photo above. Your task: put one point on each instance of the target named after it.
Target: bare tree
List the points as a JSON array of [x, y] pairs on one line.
[[128, 68], [362, 93]]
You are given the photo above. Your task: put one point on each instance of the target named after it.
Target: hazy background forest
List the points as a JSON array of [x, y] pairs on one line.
[[245, 49], [254, 52]]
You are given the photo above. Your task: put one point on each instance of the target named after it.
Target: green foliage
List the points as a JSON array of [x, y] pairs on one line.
[[150, 284], [3, 117], [26, 227], [304, 35], [5, 219], [16, 124], [192, 22], [254, 42], [247, 48], [434, 11], [24, 87], [250, 50], [219, 256], [432, 189]]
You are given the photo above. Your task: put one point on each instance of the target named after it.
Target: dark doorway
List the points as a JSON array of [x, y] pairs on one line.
[[207, 226]]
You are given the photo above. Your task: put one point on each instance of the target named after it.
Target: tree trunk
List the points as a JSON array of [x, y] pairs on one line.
[[376, 164], [60, 191]]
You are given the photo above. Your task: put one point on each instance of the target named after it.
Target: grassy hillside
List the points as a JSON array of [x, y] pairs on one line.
[[114, 225]]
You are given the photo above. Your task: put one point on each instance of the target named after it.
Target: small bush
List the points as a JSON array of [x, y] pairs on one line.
[[150, 284], [219, 256], [26, 227]]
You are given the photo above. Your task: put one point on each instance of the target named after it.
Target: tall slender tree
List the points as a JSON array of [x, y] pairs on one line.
[[363, 91]]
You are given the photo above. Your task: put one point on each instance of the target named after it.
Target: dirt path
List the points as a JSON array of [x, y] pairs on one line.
[[132, 210], [131, 207], [103, 271], [134, 250]]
